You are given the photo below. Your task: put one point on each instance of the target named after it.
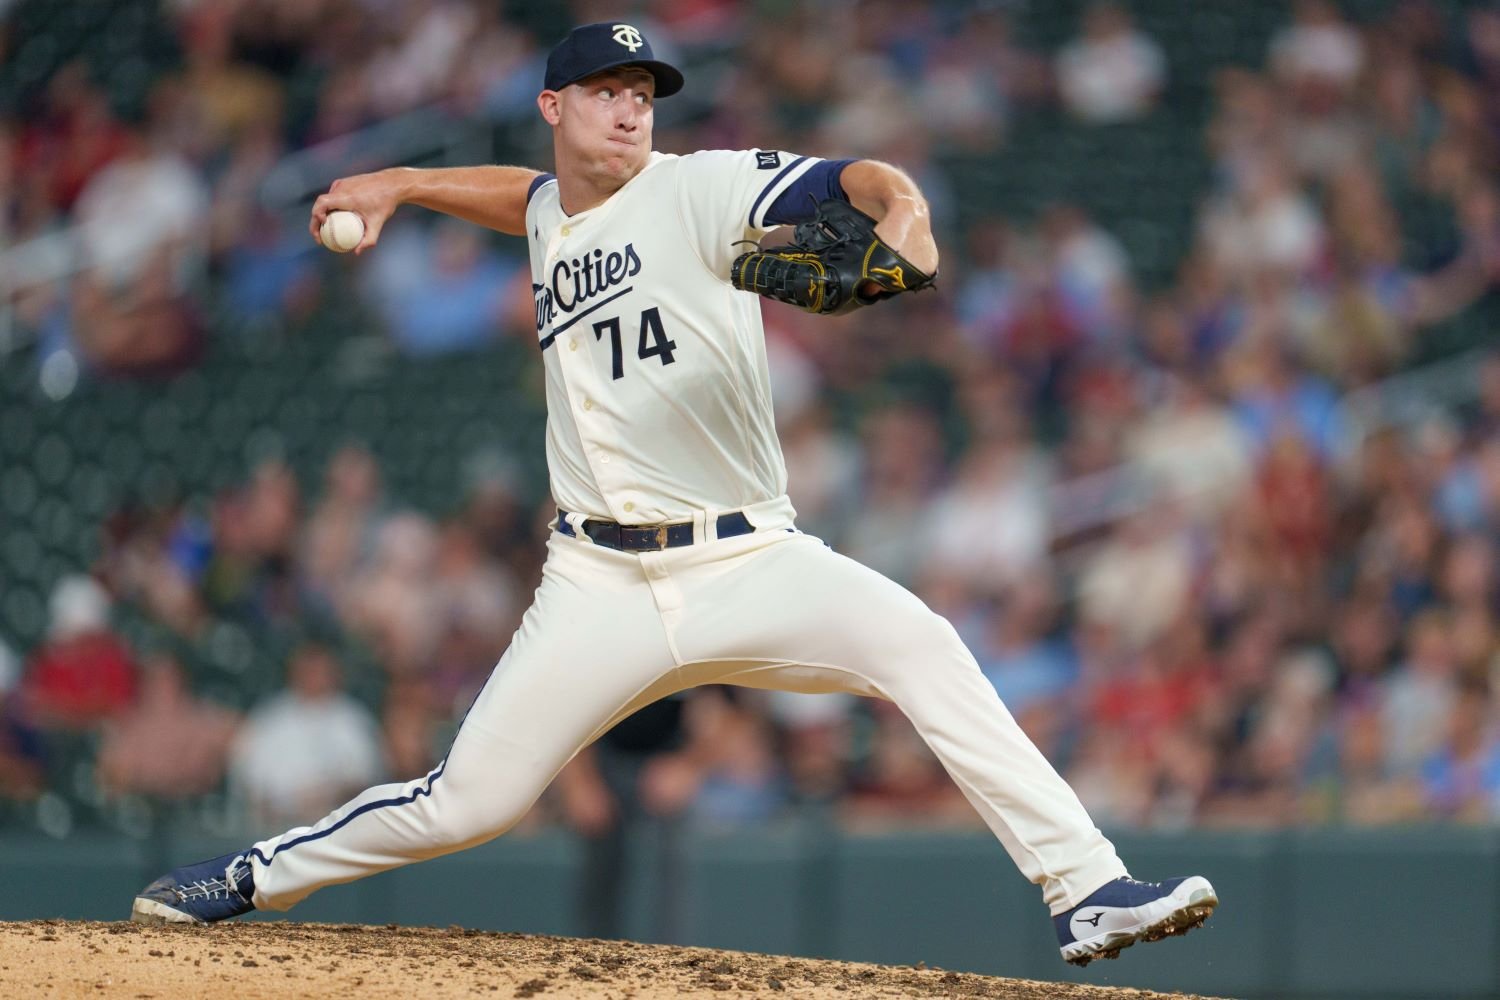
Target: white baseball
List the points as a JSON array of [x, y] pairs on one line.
[[341, 231]]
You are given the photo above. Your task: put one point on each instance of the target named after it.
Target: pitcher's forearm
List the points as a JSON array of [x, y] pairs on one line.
[[489, 196], [494, 197], [889, 195]]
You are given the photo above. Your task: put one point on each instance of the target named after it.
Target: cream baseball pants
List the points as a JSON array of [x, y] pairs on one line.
[[611, 631]]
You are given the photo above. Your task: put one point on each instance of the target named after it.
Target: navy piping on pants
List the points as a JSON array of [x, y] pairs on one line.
[[405, 800], [367, 807]]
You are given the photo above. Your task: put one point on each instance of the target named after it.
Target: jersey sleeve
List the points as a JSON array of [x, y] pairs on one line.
[[534, 200], [536, 183], [728, 195], [799, 200]]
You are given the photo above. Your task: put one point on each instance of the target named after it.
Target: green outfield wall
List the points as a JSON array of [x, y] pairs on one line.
[[1320, 914]]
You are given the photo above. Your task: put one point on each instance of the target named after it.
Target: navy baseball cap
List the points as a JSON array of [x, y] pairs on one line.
[[593, 48]]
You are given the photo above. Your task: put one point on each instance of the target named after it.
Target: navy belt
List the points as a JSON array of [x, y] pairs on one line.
[[650, 537]]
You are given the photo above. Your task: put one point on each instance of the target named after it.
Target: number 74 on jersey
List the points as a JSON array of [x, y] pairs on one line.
[[653, 341]]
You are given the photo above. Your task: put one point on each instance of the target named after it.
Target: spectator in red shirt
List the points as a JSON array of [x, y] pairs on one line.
[[73, 138], [82, 674]]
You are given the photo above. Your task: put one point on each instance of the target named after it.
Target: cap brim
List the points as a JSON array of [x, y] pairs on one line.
[[668, 79]]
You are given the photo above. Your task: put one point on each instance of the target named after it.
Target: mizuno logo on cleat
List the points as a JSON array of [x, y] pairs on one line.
[[1092, 921]]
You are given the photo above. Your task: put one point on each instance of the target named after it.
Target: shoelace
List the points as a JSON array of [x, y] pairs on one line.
[[213, 888], [238, 871]]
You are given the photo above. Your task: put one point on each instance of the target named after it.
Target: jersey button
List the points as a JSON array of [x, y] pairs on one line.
[[588, 404], [572, 345], [567, 230], [603, 459], [629, 506]]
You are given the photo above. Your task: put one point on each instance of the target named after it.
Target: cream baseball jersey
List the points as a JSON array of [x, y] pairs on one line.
[[658, 394]]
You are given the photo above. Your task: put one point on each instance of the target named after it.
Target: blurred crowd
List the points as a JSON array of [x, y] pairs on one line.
[[1212, 590]]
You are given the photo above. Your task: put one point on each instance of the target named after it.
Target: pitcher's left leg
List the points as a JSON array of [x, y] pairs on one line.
[[795, 615]]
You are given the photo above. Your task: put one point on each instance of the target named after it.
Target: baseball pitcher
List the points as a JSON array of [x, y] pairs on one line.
[[675, 559]]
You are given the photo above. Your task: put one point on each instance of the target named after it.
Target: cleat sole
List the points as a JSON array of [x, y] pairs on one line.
[[156, 913], [1178, 922]]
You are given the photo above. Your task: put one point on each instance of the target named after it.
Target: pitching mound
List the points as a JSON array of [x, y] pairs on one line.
[[248, 961]]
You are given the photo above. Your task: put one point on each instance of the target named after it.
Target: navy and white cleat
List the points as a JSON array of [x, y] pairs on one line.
[[198, 894], [1125, 911]]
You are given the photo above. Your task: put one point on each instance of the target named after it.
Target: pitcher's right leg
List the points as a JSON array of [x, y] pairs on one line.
[[590, 650]]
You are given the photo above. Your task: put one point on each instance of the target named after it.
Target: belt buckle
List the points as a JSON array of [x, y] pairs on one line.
[[661, 536]]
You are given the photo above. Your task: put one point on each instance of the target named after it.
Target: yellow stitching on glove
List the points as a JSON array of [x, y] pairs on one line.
[[895, 273], [813, 285]]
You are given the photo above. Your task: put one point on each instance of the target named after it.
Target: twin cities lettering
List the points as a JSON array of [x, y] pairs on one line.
[[574, 282]]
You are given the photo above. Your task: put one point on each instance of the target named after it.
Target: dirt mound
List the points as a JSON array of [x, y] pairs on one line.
[[57, 958]]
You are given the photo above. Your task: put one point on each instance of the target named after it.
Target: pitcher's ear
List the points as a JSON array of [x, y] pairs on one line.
[[549, 103]]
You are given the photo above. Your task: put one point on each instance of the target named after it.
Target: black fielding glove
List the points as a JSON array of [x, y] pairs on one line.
[[835, 263]]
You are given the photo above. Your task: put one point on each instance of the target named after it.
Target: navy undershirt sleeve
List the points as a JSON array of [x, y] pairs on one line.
[[537, 182], [821, 181]]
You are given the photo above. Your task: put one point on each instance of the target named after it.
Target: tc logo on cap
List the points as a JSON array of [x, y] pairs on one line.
[[627, 36]]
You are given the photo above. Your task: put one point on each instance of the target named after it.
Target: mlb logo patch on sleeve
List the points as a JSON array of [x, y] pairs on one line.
[[768, 160]]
